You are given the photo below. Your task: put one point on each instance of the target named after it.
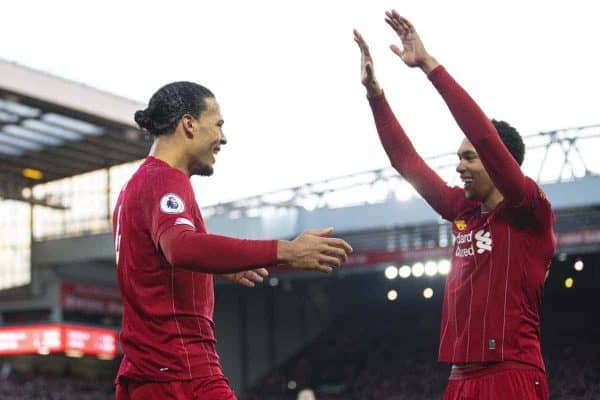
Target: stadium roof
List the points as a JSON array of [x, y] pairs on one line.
[[52, 128]]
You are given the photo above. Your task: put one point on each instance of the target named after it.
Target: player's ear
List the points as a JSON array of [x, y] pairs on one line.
[[187, 123]]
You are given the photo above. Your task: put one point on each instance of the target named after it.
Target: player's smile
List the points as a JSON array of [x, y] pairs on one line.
[[215, 151], [467, 182]]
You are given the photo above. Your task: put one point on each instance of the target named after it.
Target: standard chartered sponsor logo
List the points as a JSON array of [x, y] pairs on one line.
[[463, 238], [483, 242]]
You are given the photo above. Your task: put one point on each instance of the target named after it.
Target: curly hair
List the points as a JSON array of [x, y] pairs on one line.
[[512, 139]]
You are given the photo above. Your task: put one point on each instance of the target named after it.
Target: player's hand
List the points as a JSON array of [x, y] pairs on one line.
[[246, 278], [314, 250], [413, 51], [366, 67]]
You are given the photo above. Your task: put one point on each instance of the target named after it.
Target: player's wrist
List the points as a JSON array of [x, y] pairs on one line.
[[373, 89], [284, 251], [428, 64]]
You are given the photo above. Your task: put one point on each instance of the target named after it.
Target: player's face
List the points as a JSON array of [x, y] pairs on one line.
[[207, 139], [477, 183]]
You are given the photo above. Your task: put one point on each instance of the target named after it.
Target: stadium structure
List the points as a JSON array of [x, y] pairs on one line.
[[66, 150]]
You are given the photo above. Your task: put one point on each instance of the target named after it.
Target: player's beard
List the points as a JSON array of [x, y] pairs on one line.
[[204, 170], [474, 193]]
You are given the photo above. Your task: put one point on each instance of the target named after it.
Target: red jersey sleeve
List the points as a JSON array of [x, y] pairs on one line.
[[537, 212], [167, 201], [216, 254], [520, 193], [502, 168], [447, 201]]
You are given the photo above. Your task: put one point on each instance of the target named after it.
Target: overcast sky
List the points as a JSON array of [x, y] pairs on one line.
[[287, 73]]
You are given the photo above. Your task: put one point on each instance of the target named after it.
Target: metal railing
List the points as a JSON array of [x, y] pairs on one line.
[[552, 156]]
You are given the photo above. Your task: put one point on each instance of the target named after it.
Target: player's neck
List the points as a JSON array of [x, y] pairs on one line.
[[492, 200], [168, 153]]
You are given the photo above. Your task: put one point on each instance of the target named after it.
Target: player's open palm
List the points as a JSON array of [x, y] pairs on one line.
[[314, 250], [366, 61], [412, 52]]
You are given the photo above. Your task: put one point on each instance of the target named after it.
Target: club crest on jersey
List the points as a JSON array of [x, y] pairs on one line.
[[170, 203], [483, 241], [460, 224]]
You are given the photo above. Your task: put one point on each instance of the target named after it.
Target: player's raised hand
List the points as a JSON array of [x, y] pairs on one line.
[[412, 51], [246, 278], [314, 250], [366, 66]]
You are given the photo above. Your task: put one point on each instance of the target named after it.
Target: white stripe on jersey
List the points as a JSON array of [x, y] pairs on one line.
[[198, 321], [506, 289], [487, 299], [176, 322], [184, 221], [462, 270], [469, 320]]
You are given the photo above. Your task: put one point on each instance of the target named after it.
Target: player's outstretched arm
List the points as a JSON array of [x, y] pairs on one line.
[[403, 156], [499, 163], [313, 250], [183, 247], [501, 166]]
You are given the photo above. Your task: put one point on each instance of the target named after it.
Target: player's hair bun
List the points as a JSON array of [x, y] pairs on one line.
[[142, 119]]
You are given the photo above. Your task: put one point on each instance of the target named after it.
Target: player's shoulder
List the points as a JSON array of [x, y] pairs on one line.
[[168, 187], [159, 175], [536, 213], [539, 196], [154, 178]]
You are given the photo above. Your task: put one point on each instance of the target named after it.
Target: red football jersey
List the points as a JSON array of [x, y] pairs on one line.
[[167, 329], [494, 287]]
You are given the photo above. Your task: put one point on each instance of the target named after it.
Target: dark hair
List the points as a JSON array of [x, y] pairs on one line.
[[169, 104], [512, 139]]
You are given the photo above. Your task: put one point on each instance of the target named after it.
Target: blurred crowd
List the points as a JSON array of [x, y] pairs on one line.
[[39, 387], [387, 358]]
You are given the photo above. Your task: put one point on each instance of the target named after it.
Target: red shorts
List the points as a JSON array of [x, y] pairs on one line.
[[502, 381], [211, 388]]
